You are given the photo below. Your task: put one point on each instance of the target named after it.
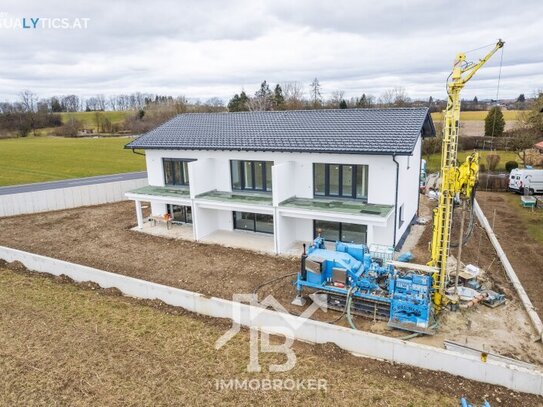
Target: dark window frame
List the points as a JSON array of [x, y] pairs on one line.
[[183, 182], [354, 181], [254, 229], [340, 230], [241, 171]]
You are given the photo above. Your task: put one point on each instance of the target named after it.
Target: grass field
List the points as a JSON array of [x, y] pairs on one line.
[[88, 119], [469, 116], [37, 159], [433, 163], [532, 221]]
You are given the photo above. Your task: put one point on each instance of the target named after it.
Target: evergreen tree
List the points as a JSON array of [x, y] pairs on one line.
[[233, 104], [494, 122], [343, 104], [278, 98], [243, 102], [238, 103], [363, 101]]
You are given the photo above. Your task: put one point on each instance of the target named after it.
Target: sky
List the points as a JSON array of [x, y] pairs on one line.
[[207, 48]]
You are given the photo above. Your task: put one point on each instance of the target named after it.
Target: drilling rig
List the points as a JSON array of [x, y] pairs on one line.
[[458, 183]]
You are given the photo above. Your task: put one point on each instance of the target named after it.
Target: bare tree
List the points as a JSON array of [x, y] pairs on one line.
[[395, 97], [337, 97], [294, 95], [70, 103], [28, 100], [315, 92], [101, 102], [113, 102]]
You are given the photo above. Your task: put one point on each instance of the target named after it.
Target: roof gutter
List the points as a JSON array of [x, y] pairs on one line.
[[396, 196], [136, 152]]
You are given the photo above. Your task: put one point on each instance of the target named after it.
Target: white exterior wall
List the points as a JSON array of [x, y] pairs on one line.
[[408, 188], [292, 175], [382, 171]]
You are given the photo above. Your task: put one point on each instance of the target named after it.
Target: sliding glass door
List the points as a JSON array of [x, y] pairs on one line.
[[180, 213], [253, 222]]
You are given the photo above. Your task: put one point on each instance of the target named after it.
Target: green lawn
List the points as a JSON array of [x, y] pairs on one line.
[[88, 119], [433, 164], [531, 220], [36, 159], [507, 115]]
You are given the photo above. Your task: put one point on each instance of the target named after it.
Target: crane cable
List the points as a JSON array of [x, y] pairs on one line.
[[498, 91]]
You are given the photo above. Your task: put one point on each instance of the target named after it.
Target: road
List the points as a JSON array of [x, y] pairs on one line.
[[67, 183]]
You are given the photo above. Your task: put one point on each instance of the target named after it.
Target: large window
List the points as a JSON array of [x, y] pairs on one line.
[[180, 213], [345, 232], [251, 175], [176, 171], [253, 222], [341, 180]]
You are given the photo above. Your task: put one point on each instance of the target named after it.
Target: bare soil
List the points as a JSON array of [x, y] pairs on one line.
[[100, 236], [523, 251], [67, 344]]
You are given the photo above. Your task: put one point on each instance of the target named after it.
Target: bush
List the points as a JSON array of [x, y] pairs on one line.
[[492, 160], [510, 165]]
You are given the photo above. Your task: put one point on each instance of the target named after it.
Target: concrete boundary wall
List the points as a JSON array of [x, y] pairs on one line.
[[358, 342], [64, 198], [534, 318]]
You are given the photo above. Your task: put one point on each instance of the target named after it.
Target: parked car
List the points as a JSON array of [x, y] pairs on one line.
[[529, 180]]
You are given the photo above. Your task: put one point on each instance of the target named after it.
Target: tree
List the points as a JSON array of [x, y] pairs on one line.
[[522, 139], [494, 122], [335, 100], [263, 99], [55, 105], [365, 101], [343, 104], [278, 98], [395, 97], [315, 92], [239, 103], [521, 98], [534, 117], [294, 95]]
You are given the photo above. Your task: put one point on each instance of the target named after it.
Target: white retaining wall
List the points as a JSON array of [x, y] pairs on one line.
[[359, 342], [64, 198]]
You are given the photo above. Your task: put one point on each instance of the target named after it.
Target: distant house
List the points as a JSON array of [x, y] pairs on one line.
[[286, 176]]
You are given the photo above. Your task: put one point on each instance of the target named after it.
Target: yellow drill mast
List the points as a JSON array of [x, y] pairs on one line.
[[456, 181]]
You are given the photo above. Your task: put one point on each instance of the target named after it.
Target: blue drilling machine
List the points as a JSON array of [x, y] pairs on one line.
[[364, 282]]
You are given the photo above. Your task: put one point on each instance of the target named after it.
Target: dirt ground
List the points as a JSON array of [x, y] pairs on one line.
[[524, 252], [477, 127], [505, 330], [100, 237], [68, 344]]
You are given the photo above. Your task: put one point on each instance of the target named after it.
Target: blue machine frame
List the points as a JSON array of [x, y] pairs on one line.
[[376, 288]]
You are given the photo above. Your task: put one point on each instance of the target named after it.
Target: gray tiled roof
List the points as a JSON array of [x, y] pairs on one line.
[[371, 131]]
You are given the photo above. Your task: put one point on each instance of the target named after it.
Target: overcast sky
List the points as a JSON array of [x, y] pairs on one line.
[[206, 48]]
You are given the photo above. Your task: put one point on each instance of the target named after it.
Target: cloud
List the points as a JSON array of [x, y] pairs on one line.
[[214, 48]]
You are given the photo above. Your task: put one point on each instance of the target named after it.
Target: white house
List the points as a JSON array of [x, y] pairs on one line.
[[279, 178]]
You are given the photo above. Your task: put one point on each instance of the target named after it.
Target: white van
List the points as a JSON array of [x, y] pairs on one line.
[[519, 179]]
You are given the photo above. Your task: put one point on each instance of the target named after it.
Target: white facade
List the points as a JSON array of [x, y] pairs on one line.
[[389, 183]]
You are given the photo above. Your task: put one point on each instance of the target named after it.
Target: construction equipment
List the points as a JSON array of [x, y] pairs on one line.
[[367, 281], [362, 280], [457, 182]]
